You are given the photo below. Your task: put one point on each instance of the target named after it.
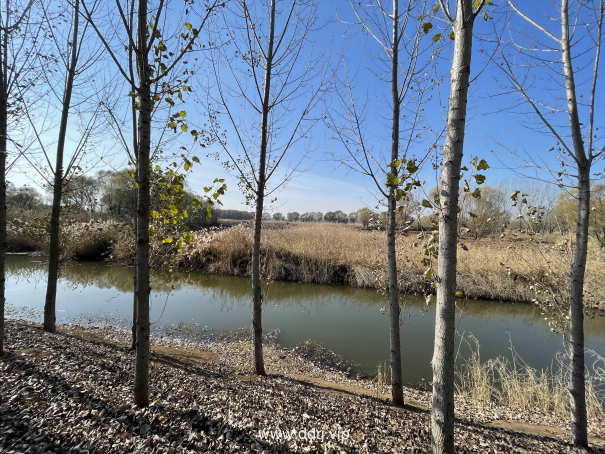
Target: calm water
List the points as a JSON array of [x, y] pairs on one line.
[[345, 320]]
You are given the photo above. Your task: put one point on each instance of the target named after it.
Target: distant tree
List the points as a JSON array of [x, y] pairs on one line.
[[267, 216], [406, 209], [353, 217], [24, 197], [278, 217], [293, 217], [487, 214], [566, 211], [233, 214], [330, 217], [118, 195], [379, 221], [83, 193], [318, 216], [340, 217], [364, 215]]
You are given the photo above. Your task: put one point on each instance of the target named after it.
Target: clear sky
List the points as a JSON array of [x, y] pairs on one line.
[[494, 111]]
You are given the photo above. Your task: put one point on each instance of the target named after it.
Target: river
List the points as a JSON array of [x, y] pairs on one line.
[[345, 320]]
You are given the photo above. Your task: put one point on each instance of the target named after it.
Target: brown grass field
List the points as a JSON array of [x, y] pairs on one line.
[[516, 268]]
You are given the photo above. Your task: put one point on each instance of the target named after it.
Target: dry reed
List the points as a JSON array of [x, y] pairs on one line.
[[513, 383], [496, 269]]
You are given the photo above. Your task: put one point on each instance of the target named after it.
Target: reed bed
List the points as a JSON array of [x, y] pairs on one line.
[[509, 269]]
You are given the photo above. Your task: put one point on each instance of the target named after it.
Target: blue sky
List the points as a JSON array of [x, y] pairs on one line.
[[326, 186]]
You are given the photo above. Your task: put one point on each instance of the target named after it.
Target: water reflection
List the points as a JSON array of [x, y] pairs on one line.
[[345, 320]]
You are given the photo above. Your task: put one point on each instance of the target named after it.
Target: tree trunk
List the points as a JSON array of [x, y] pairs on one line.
[[134, 276], [142, 289], [50, 317], [577, 385], [3, 153], [394, 310], [442, 409], [257, 296]]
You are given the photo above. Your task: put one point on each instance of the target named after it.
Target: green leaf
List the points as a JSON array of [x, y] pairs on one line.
[[167, 240], [476, 193], [392, 180], [452, 35], [437, 37], [435, 8], [400, 194], [169, 100], [411, 166], [184, 127], [482, 165], [188, 25], [426, 27], [155, 215], [426, 204], [428, 274], [480, 179], [195, 159]]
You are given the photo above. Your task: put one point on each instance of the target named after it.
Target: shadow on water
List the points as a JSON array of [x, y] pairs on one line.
[[345, 320]]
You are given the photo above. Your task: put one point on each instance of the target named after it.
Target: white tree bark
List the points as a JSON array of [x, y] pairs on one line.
[[442, 409], [577, 384]]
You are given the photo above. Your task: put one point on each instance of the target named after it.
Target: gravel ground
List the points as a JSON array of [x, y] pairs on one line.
[[64, 393]]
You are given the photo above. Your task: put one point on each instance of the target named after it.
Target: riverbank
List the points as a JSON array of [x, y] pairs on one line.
[[71, 392], [516, 268]]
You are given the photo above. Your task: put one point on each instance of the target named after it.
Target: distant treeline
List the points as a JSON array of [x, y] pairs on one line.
[[540, 209]]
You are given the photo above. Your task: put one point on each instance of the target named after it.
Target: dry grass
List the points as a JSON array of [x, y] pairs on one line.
[[26, 230], [513, 383], [509, 269]]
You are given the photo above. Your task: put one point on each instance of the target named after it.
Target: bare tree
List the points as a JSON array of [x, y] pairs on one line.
[[17, 33], [148, 56], [559, 116], [406, 52], [269, 62], [442, 408], [76, 58]]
